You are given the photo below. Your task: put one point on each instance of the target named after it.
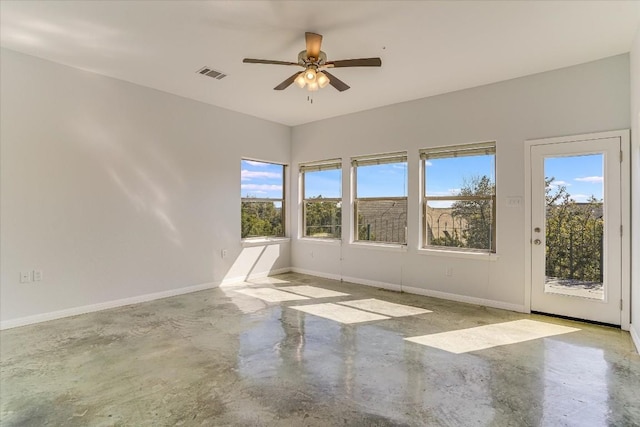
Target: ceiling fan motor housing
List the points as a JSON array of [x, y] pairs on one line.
[[305, 60]]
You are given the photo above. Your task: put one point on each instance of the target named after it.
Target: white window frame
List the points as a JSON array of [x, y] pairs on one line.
[[452, 151], [319, 166], [283, 209], [370, 160]]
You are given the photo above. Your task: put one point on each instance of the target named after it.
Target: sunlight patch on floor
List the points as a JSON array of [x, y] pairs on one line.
[[270, 295], [312, 291], [339, 313], [384, 307], [483, 337]]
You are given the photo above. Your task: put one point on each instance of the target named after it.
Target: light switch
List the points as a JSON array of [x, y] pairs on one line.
[[514, 202]]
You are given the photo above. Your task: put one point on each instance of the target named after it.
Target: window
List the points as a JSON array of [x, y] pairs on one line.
[[459, 209], [380, 198], [322, 199], [262, 193]]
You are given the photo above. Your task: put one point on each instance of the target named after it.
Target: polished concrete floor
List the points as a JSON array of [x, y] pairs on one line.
[[283, 351]]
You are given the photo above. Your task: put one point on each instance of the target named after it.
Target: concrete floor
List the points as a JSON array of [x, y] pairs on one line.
[[222, 357]]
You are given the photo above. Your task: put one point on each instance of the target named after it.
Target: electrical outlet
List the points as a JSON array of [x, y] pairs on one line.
[[25, 277], [449, 271], [37, 275], [223, 253]]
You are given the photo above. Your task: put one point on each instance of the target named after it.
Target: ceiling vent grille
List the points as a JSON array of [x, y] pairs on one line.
[[210, 72]]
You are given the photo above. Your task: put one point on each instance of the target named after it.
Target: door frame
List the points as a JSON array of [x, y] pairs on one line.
[[625, 188]]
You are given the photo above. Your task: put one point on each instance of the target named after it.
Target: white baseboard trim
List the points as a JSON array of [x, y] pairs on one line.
[[53, 315], [373, 283], [230, 281], [44, 317], [316, 273], [417, 291], [635, 336], [465, 299]]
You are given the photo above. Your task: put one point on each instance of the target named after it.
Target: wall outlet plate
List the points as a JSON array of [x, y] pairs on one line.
[[25, 277], [37, 275]]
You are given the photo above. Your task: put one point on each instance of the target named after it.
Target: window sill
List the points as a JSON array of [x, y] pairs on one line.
[[380, 246], [319, 240], [480, 256], [261, 241]]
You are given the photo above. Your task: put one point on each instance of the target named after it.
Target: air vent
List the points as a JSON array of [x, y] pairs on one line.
[[210, 72]]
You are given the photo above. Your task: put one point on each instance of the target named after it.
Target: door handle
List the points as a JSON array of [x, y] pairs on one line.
[[537, 242]]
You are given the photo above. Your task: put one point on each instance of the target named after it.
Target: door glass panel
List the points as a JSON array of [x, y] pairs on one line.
[[574, 226]]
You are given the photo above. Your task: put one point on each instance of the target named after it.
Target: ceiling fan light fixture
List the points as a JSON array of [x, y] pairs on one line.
[[310, 75], [322, 79], [312, 87], [300, 81]]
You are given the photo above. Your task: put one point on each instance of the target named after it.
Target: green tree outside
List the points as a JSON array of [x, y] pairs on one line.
[[574, 233], [260, 219]]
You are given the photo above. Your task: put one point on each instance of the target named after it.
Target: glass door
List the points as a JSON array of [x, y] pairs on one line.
[[575, 236]]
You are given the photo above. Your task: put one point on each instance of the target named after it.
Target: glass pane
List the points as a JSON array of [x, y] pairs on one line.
[[323, 219], [262, 219], [326, 184], [261, 180], [456, 175], [388, 180], [382, 220], [574, 229], [460, 223]]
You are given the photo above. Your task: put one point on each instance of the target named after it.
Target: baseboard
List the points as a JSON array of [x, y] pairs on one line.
[[466, 299], [316, 273], [230, 281], [635, 336], [416, 291], [373, 283], [44, 317]]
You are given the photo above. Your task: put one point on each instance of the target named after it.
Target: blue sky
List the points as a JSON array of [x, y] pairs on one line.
[[581, 175], [261, 180]]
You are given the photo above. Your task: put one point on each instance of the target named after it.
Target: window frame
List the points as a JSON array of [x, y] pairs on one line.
[[371, 160], [319, 166], [283, 210], [453, 151]]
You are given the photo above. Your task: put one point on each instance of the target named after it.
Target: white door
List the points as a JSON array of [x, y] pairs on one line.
[[576, 265]]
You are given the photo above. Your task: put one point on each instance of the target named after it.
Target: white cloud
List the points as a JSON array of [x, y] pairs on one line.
[[261, 187], [591, 179], [254, 163], [247, 175], [560, 182], [428, 163], [449, 192]]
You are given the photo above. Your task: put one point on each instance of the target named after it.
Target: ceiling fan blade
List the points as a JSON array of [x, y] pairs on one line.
[[336, 82], [314, 42], [268, 61], [361, 62], [285, 84]]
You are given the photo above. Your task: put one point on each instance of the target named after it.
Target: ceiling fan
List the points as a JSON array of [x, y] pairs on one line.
[[314, 61]]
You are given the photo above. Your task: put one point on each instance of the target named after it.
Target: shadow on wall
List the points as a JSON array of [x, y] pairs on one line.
[[144, 174]]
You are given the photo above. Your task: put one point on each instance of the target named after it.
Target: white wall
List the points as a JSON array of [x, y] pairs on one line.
[[635, 189], [587, 98], [115, 191]]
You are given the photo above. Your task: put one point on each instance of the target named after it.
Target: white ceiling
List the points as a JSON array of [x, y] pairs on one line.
[[427, 47]]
